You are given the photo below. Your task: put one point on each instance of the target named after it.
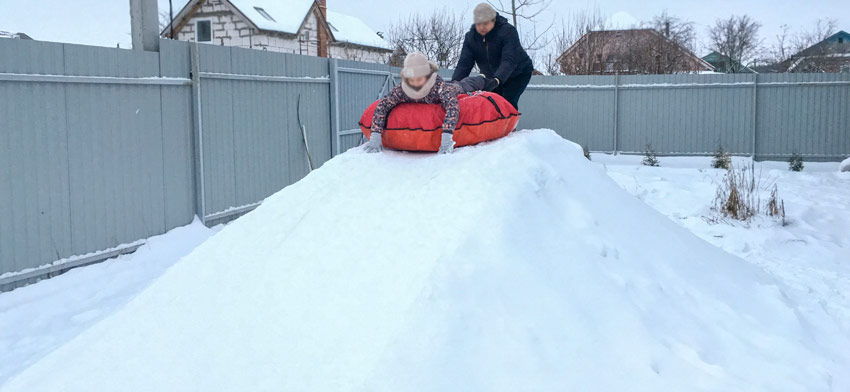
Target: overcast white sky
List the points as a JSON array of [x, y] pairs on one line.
[[106, 22]]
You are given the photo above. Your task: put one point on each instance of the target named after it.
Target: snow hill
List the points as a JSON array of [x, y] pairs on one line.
[[514, 265]]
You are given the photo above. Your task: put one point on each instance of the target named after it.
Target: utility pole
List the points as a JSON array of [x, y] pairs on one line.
[[144, 25], [171, 18]]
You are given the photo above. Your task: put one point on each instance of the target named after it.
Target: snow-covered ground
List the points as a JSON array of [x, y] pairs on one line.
[[36, 319], [515, 265], [810, 254]]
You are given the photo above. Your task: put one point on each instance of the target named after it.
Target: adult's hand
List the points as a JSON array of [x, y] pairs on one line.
[[490, 84]]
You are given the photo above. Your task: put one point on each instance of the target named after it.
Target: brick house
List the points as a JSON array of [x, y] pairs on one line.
[[291, 26], [630, 51]]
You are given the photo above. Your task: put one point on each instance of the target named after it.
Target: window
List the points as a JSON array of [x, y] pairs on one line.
[[203, 31], [264, 14], [840, 40]]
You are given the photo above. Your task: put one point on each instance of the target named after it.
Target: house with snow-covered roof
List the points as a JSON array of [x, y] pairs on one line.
[[291, 26], [6, 34], [830, 55], [629, 51]]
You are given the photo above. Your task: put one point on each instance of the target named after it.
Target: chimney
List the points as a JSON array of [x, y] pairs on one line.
[[322, 33], [667, 29]]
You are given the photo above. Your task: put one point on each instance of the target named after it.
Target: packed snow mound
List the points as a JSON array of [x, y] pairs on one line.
[[844, 166], [513, 265]]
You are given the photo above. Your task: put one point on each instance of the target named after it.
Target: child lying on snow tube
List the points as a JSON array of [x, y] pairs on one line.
[[420, 83]]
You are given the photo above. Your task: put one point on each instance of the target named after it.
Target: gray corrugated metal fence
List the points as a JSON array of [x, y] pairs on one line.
[[101, 148], [766, 116]]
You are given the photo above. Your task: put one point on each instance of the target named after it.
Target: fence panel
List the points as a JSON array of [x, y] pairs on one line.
[[360, 84], [115, 149], [314, 113], [685, 114], [87, 165], [34, 198], [771, 116], [177, 125], [804, 113], [253, 143], [218, 140], [580, 109]]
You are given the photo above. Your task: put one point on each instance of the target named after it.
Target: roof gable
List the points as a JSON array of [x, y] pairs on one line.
[[836, 43], [841, 34], [715, 57], [289, 17], [348, 29], [608, 35]]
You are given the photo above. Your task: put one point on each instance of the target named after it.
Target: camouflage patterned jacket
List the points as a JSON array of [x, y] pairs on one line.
[[443, 93]]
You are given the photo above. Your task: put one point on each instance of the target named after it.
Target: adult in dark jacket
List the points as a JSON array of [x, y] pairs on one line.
[[493, 44]]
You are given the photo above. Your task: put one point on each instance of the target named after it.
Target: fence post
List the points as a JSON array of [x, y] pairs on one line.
[[616, 109], [144, 25], [333, 74], [755, 111], [198, 135]]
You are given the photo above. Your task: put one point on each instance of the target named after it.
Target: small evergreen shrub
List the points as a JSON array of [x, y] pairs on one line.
[[721, 159], [795, 163], [649, 157]]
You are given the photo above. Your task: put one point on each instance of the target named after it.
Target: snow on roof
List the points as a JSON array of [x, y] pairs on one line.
[[6, 34], [286, 16], [349, 29], [275, 15]]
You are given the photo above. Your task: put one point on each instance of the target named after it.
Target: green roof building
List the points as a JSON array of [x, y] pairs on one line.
[[723, 64]]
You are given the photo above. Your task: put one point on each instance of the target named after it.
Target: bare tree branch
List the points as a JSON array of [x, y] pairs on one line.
[[675, 29], [736, 38], [570, 31], [438, 35], [526, 15]]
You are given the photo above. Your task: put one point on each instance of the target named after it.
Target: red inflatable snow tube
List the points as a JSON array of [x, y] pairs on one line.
[[418, 126]]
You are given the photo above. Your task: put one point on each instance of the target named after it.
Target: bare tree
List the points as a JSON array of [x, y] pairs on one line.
[[675, 29], [651, 52], [787, 44], [438, 35], [527, 16], [164, 20], [570, 32], [781, 49], [822, 29], [736, 38]]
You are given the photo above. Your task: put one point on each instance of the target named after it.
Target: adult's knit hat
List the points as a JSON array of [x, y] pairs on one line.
[[484, 13], [417, 65]]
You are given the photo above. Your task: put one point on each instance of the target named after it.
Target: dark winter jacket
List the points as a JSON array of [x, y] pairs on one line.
[[443, 93], [498, 53]]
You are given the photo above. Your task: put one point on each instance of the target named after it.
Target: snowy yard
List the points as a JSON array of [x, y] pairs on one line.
[[809, 258], [810, 255], [36, 319]]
